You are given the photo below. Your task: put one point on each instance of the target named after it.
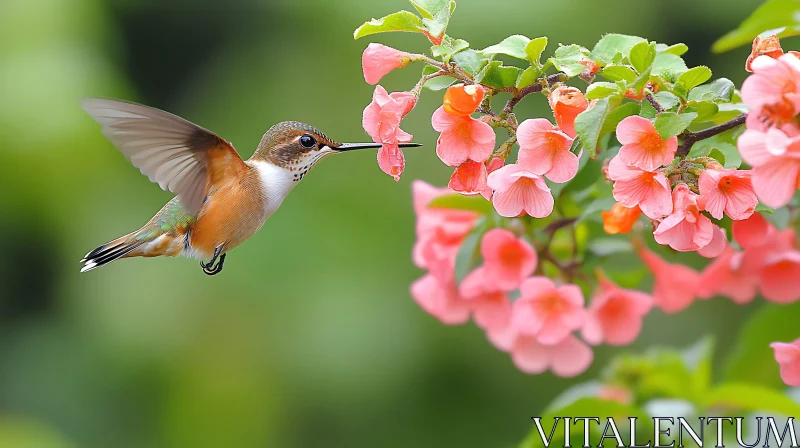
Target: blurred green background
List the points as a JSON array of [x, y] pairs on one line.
[[309, 338]]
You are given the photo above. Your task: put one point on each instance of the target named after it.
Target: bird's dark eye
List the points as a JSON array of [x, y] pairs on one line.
[[307, 141]]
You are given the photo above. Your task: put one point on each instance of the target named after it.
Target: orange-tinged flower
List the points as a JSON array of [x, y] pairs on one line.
[[462, 100], [620, 219], [469, 178], [769, 46], [642, 145], [567, 102]]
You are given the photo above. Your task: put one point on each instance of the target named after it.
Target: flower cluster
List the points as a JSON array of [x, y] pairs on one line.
[[771, 143], [513, 242]]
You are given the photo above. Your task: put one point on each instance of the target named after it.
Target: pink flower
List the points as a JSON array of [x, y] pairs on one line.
[[381, 120], [545, 150], [649, 190], [508, 260], [440, 232], [774, 87], [780, 277], [615, 315], [686, 229], [517, 190], [751, 232], [567, 358], [642, 145], [378, 60], [788, 357], [567, 103], [728, 190], [719, 241], [725, 276], [469, 178], [463, 138], [490, 306], [546, 311], [675, 285], [492, 166], [440, 300], [775, 158]]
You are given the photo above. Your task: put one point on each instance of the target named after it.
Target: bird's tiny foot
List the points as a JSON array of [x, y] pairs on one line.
[[209, 269]]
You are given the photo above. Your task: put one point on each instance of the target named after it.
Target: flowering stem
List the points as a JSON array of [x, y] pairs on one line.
[[690, 138]]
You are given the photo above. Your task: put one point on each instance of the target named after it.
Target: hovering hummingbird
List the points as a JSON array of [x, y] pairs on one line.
[[221, 199]]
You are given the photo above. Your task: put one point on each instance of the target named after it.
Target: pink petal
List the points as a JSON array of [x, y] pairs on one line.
[[571, 357], [391, 160], [776, 181], [718, 244], [788, 356]]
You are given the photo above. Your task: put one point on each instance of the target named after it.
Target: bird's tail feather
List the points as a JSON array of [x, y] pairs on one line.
[[113, 250]]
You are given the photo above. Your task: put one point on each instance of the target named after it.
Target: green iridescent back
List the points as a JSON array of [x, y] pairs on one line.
[[171, 220]]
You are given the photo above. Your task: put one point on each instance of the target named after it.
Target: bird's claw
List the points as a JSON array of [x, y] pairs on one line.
[[209, 268]]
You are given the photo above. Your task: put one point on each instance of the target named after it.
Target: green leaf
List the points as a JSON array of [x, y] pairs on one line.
[[642, 55], [677, 49], [512, 46], [438, 83], [698, 359], [668, 65], [460, 202], [592, 210], [567, 59], [751, 397], [726, 152], [693, 77], [470, 61], [435, 14], [666, 99], [468, 254], [448, 48], [601, 90], [610, 45], [528, 76], [605, 246], [751, 359], [497, 75], [429, 8], [669, 124], [718, 90], [589, 123], [534, 49], [717, 155], [618, 73], [731, 153], [705, 110], [399, 21], [772, 17], [780, 217], [619, 114]]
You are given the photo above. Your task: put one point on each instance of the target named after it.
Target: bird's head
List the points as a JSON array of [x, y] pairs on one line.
[[298, 147]]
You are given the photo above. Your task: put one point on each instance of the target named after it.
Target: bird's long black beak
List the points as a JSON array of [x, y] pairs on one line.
[[352, 146]]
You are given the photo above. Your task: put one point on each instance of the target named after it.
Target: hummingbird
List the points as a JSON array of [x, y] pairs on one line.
[[221, 200]]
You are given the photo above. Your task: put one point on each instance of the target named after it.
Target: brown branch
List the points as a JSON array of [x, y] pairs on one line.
[[690, 138], [652, 100], [533, 88]]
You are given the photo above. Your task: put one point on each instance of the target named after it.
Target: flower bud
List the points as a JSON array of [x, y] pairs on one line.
[[463, 99]]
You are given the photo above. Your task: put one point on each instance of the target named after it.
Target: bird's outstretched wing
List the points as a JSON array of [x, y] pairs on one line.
[[178, 155]]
